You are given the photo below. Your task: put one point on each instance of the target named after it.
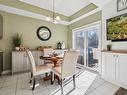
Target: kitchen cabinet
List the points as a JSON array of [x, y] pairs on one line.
[[20, 61], [121, 69], [114, 68]]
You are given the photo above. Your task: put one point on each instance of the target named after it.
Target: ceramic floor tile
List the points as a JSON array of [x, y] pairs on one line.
[[7, 90], [40, 89], [2, 79], [82, 78], [111, 86], [1, 84], [11, 78], [99, 80], [91, 88], [9, 83], [23, 85], [89, 74], [95, 92], [24, 92], [105, 90], [42, 92], [53, 88], [87, 83], [76, 92]]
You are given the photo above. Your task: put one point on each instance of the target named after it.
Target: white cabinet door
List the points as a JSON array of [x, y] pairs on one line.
[[103, 65], [20, 62], [121, 69], [108, 67], [17, 62], [26, 63]]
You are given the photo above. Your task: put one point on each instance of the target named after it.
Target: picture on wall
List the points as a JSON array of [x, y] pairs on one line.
[[121, 5], [117, 28]]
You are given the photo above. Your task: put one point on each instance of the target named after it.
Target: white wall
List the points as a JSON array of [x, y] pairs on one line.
[[110, 10]]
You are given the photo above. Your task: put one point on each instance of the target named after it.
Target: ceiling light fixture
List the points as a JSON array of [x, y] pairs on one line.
[[52, 17]]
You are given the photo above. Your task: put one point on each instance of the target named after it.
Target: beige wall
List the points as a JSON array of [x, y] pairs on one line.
[[1, 26], [27, 26]]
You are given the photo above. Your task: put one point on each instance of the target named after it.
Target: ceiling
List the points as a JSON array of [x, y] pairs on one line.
[[99, 3], [64, 7]]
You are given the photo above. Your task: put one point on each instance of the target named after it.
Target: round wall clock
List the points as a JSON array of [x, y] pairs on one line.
[[43, 33]]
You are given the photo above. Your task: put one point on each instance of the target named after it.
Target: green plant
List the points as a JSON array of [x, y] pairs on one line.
[[17, 40], [109, 46]]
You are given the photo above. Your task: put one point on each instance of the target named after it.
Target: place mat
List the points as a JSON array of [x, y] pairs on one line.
[[121, 91]]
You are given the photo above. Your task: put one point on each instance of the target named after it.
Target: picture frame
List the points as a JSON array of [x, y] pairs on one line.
[[44, 33], [116, 28], [121, 5]]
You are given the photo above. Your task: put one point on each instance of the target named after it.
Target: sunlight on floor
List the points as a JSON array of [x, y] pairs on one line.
[[83, 82]]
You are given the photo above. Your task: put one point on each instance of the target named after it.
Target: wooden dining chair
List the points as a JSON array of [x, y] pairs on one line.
[[37, 70], [67, 68]]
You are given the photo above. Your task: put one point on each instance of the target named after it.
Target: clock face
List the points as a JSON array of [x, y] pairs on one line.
[[121, 4]]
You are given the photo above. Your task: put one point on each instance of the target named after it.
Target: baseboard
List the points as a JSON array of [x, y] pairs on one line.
[[5, 72]]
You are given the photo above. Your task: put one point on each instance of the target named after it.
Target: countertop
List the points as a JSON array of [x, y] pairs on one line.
[[116, 51]]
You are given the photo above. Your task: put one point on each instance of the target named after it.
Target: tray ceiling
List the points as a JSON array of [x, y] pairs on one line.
[[64, 7]]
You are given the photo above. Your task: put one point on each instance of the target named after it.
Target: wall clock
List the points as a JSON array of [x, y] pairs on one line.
[[43, 33], [121, 5]]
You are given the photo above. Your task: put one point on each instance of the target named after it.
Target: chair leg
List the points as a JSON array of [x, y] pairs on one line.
[[61, 85], [31, 78], [34, 82], [52, 78], [46, 74], [74, 81]]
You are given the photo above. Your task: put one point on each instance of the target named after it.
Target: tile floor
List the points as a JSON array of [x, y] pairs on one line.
[[87, 83]]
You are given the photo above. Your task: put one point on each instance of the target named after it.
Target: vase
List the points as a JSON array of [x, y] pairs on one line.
[[17, 48], [63, 45]]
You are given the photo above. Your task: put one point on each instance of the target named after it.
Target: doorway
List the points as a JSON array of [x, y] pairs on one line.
[[87, 40]]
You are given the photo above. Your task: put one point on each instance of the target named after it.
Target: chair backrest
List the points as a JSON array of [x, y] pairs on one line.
[[47, 51], [69, 63], [32, 61]]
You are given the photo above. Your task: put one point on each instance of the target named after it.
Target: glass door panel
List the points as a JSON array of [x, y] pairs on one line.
[[87, 40], [92, 48], [79, 44]]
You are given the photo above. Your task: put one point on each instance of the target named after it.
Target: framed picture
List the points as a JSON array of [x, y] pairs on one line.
[[117, 28], [121, 5]]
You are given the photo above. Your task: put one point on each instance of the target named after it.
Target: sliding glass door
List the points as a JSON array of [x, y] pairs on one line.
[[79, 44], [87, 40]]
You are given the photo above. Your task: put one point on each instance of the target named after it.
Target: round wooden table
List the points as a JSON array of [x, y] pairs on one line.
[[56, 60]]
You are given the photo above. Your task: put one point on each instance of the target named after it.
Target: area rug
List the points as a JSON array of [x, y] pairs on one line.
[[121, 91]]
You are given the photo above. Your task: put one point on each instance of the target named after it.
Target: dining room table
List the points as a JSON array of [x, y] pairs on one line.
[[56, 60]]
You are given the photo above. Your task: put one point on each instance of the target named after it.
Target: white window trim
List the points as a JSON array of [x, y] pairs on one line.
[[82, 27]]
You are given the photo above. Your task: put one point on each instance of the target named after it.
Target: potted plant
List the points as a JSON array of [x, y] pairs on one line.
[[109, 46], [17, 41]]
